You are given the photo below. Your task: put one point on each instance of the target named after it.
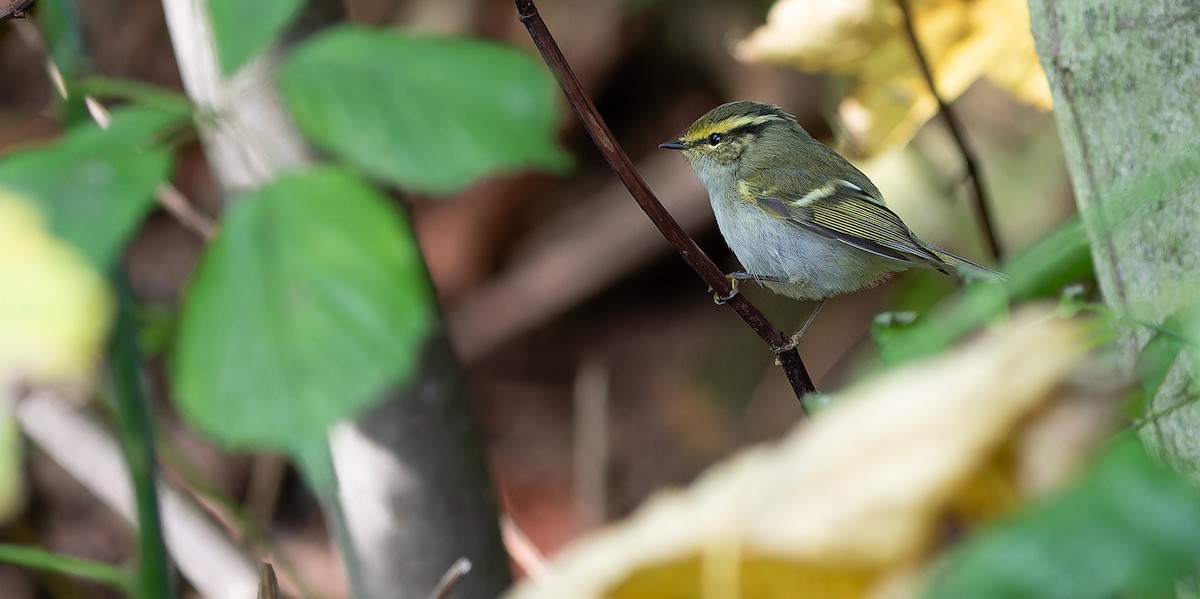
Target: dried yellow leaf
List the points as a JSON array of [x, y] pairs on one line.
[[889, 98], [850, 505]]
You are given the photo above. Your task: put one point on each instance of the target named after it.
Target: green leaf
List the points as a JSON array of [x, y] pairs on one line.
[[1130, 526], [431, 114], [311, 300], [887, 325], [244, 29], [95, 186], [1160, 352], [1043, 269]]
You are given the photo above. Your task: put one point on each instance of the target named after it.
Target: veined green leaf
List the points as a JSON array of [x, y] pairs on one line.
[[311, 300], [425, 113], [1130, 526]]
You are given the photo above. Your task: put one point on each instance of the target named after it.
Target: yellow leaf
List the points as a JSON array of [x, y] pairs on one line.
[[54, 310], [753, 577], [889, 98], [852, 504]]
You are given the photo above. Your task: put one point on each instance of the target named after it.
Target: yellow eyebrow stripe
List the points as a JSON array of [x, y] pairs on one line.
[[727, 125]]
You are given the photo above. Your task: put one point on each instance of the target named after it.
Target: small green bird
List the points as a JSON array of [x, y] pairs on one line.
[[800, 218]]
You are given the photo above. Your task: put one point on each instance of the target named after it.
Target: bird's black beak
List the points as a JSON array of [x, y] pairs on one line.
[[674, 144]]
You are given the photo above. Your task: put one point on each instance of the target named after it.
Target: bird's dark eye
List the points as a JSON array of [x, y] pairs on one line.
[[715, 139]]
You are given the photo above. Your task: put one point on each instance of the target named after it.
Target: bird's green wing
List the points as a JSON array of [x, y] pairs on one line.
[[843, 211]]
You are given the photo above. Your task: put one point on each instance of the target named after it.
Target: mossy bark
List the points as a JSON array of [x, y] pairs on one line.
[[1126, 83]]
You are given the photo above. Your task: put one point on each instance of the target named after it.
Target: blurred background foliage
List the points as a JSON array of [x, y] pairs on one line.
[[570, 314]]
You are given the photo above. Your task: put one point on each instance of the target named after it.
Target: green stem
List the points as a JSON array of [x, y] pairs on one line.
[[137, 439], [40, 559]]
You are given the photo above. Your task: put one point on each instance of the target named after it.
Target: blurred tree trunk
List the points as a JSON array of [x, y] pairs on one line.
[[1126, 81], [412, 481]]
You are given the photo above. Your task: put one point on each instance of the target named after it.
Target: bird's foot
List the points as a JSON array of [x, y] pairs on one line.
[[794, 340], [734, 281]]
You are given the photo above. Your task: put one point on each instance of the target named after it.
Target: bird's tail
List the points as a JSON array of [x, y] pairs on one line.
[[968, 269]]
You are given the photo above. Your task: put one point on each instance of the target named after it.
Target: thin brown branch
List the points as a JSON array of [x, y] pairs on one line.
[[793, 367], [544, 283], [979, 201], [14, 9], [177, 205]]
